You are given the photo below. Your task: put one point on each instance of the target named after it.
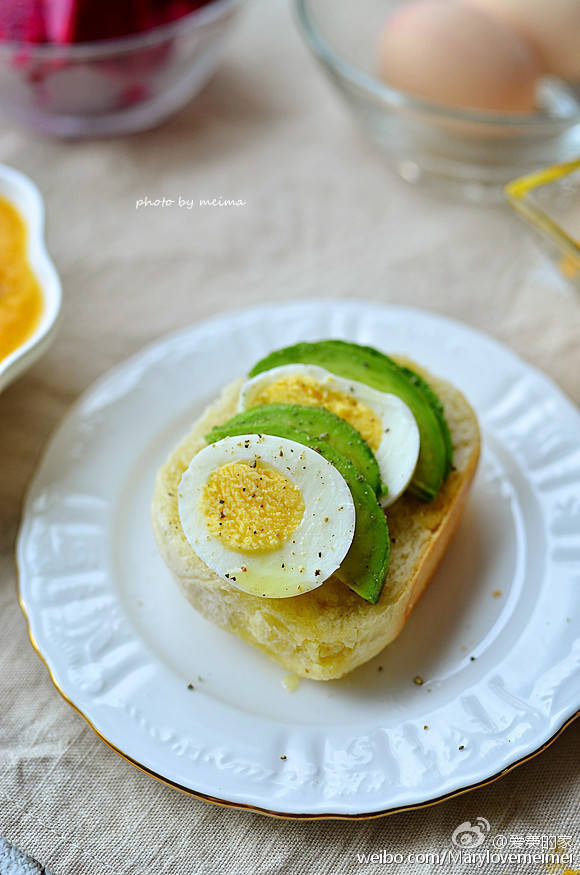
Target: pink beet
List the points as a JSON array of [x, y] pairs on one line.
[[89, 20], [79, 21], [58, 17], [22, 21]]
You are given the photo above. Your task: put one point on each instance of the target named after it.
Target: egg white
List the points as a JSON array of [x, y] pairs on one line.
[[398, 450], [311, 554]]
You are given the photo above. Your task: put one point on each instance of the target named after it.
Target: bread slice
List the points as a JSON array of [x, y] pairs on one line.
[[329, 631]]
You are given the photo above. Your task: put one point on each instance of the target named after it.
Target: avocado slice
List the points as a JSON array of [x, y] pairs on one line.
[[433, 400], [368, 365], [318, 423], [365, 566]]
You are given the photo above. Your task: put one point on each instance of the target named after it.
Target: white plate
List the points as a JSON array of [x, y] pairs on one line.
[[24, 195], [122, 644]]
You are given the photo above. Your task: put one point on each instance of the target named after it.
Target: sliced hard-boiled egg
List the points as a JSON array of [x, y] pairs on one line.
[[383, 420], [268, 514]]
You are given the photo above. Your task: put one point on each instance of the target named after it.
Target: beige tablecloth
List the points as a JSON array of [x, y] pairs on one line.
[[323, 217]]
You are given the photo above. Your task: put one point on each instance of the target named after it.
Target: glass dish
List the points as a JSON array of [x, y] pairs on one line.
[[113, 86], [549, 201], [476, 150]]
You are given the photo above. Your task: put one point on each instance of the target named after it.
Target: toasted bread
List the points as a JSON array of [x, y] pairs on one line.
[[329, 631]]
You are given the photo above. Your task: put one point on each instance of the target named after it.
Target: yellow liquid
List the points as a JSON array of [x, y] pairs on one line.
[[291, 682], [20, 295]]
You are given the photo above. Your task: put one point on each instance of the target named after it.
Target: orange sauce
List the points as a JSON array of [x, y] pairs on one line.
[[20, 295]]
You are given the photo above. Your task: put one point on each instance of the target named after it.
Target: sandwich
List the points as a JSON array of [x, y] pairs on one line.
[[308, 508]]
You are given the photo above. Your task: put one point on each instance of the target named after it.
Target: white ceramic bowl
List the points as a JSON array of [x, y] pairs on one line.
[[20, 191]]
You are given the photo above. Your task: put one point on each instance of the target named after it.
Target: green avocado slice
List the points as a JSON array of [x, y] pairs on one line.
[[365, 566], [318, 423], [368, 365], [436, 405]]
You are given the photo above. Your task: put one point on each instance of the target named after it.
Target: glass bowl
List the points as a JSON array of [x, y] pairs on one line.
[[477, 150], [549, 201], [113, 86]]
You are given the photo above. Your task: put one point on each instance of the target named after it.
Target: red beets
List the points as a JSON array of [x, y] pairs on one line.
[[79, 21]]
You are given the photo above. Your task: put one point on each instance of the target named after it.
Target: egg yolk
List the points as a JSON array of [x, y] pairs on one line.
[[20, 296], [251, 508], [308, 391]]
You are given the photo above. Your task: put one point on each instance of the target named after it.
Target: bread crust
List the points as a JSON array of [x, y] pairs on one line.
[[329, 631]]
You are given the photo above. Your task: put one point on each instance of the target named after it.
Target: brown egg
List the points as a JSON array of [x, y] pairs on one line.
[[551, 26], [456, 54]]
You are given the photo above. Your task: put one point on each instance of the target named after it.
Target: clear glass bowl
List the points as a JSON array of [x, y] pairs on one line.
[[113, 86], [550, 202], [479, 151]]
